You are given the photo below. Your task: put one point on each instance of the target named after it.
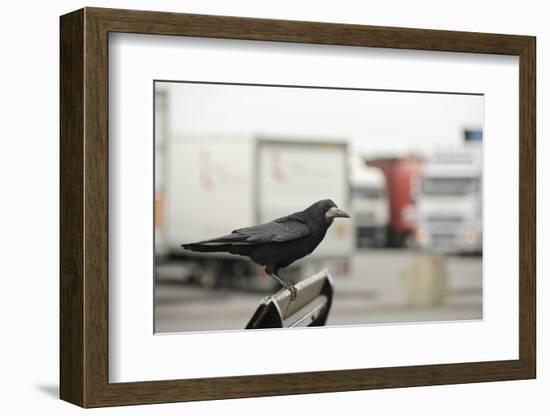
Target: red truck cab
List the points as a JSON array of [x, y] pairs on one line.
[[402, 175]]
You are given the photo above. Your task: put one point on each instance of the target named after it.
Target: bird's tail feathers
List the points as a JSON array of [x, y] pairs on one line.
[[204, 248], [215, 244]]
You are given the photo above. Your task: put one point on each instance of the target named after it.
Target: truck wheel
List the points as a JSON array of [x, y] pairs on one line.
[[382, 237]]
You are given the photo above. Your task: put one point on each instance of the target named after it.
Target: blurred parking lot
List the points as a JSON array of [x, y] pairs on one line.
[[379, 289]]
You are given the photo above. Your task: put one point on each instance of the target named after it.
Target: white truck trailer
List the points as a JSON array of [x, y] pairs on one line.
[[212, 185], [449, 203]]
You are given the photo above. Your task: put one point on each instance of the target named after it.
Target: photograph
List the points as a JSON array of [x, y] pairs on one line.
[[273, 206], [281, 206]]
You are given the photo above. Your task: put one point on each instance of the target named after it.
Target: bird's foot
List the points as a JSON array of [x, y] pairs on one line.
[[293, 292], [287, 284]]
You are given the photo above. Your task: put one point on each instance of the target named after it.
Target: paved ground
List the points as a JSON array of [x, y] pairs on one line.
[[384, 286]]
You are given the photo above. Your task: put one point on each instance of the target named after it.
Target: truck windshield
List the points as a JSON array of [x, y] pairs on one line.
[[449, 186]]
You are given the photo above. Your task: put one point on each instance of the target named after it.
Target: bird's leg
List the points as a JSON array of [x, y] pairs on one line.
[[284, 282]]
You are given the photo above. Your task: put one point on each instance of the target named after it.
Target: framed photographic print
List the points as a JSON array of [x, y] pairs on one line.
[[255, 207]]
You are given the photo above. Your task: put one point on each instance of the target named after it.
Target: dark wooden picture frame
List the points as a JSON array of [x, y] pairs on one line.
[[84, 207]]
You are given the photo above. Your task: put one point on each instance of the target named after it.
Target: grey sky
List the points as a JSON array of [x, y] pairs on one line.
[[374, 122]]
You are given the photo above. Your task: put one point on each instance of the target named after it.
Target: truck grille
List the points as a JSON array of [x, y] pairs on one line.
[[449, 219], [443, 239], [364, 218], [444, 229]]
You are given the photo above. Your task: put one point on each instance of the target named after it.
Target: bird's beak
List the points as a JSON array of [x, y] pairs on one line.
[[337, 212]]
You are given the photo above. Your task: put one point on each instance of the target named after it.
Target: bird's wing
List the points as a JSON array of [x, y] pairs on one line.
[[280, 230]]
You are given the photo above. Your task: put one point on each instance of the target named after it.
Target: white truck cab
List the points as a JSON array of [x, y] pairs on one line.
[[370, 206], [449, 204]]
